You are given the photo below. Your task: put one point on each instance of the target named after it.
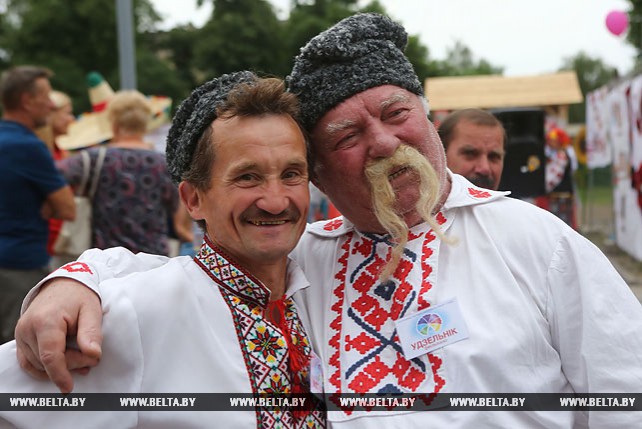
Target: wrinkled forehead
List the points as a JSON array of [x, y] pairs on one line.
[[371, 101]]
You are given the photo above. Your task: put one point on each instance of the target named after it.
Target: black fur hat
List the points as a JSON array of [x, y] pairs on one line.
[[194, 115], [360, 52]]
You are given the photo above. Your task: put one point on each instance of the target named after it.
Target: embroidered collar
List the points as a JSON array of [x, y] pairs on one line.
[[276, 352], [463, 194], [236, 279], [230, 275]]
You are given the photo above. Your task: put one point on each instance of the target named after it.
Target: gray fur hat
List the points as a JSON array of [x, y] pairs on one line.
[[194, 115], [359, 52]]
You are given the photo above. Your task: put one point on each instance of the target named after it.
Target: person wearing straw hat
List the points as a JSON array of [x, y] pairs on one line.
[[31, 190], [426, 284], [135, 195], [92, 128], [57, 125], [95, 127], [241, 160]]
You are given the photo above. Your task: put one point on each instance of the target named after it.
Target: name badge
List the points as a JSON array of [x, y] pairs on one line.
[[431, 329]]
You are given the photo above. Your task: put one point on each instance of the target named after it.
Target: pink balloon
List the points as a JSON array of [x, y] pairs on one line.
[[617, 22]]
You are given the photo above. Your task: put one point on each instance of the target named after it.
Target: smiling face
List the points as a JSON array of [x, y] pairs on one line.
[[368, 126], [257, 202]]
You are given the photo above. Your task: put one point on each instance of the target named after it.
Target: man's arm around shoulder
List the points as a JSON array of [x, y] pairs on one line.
[[68, 303]]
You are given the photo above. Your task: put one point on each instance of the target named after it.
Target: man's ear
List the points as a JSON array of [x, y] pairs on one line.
[[191, 198]]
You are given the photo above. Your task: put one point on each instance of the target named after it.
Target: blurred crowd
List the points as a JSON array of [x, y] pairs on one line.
[[134, 202]]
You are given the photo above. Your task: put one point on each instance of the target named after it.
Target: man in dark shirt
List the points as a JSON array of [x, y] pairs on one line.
[[31, 189]]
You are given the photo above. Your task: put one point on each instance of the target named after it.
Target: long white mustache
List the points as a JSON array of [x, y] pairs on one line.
[[384, 198]]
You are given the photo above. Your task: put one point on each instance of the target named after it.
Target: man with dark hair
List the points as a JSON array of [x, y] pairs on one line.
[[31, 189], [475, 143], [239, 155], [427, 284]]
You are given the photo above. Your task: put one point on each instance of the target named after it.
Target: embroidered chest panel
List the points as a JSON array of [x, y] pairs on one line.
[[263, 344], [366, 354]]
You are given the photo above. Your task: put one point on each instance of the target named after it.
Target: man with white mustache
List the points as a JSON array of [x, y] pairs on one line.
[[518, 301], [405, 160]]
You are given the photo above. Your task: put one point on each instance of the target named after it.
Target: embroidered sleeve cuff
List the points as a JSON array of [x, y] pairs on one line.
[[83, 272]]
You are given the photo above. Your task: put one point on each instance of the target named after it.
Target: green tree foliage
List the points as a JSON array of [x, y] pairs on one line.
[[309, 18], [634, 36], [53, 33], [242, 34], [74, 37], [176, 49], [4, 30], [418, 55], [460, 61], [592, 73]]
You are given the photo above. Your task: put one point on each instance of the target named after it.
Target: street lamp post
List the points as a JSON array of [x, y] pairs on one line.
[[126, 50]]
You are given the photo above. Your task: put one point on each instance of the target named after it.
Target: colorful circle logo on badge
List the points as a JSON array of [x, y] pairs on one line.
[[429, 322]]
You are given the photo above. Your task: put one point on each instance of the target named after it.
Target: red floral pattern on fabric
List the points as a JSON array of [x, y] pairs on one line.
[[556, 162], [364, 282], [363, 248], [426, 285], [371, 359], [337, 308], [77, 267], [412, 379], [363, 343], [426, 268], [377, 369], [333, 225], [377, 317], [375, 267], [436, 362], [264, 345], [636, 184], [365, 304], [478, 193], [362, 382], [400, 297]]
